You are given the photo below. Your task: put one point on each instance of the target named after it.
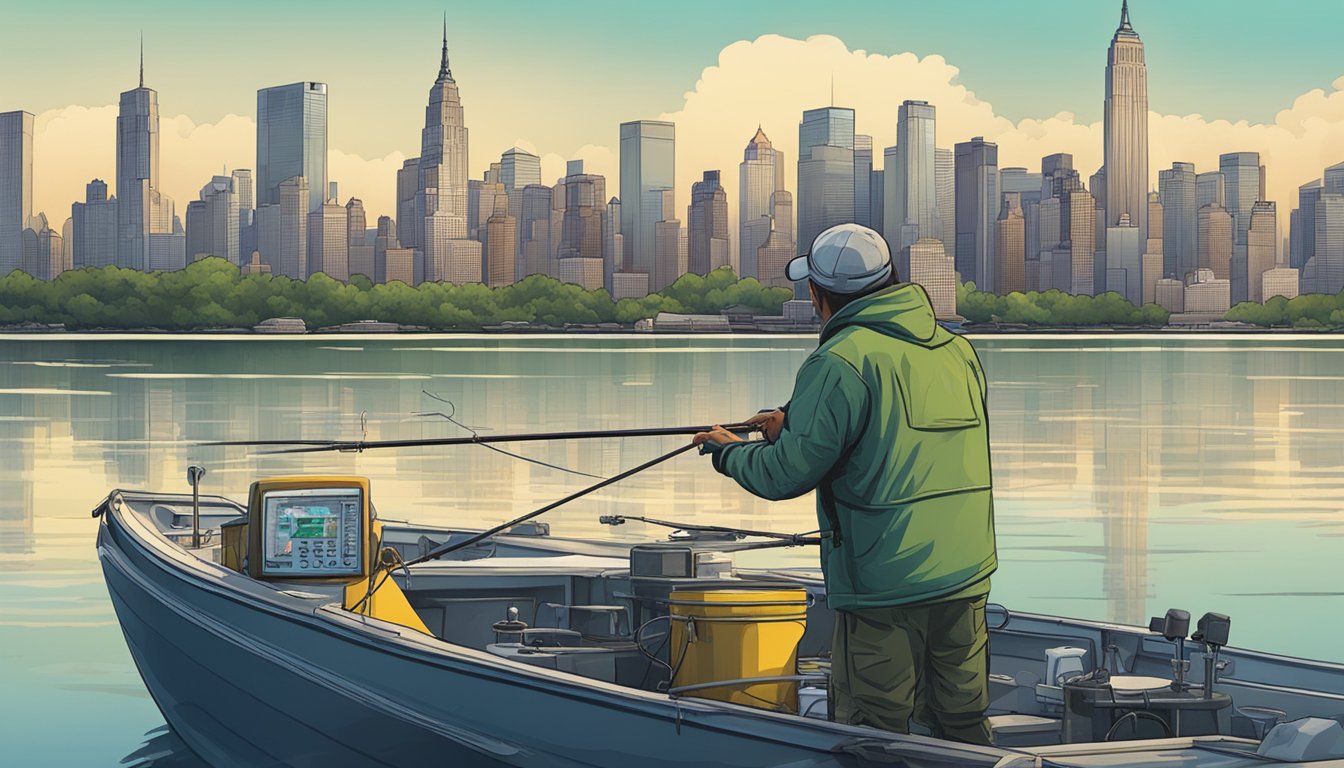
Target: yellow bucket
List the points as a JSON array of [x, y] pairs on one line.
[[720, 636]]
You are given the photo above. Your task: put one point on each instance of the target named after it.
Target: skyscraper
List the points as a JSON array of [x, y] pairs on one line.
[[329, 241], [912, 209], [669, 260], [863, 177], [930, 267], [1215, 240], [1078, 212], [825, 173], [1126, 128], [1262, 245], [16, 186], [613, 243], [534, 230], [518, 168], [1011, 245], [501, 243], [361, 258], [95, 227], [292, 141], [1325, 272], [1303, 230], [582, 225], [758, 179], [1180, 219], [1242, 177], [707, 222], [945, 194], [439, 228], [141, 208], [1209, 188], [977, 208], [212, 222], [1124, 258], [648, 169]]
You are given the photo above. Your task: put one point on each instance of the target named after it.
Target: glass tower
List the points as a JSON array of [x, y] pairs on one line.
[[758, 180], [292, 141], [648, 161], [977, 209], [825, 174], [16, 186], [912, 192]]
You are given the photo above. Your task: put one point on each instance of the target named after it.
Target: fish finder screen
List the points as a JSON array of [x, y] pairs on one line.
[[313, 532]]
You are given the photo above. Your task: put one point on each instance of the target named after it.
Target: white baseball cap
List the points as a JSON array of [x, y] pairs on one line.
[[844, 259]]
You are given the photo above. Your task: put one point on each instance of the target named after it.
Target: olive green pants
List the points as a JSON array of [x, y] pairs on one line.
[[928, 661]]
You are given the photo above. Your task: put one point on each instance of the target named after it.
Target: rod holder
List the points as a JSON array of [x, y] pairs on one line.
[[194, 475]]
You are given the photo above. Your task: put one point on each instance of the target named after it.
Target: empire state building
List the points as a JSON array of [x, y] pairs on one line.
[[1127, 128]]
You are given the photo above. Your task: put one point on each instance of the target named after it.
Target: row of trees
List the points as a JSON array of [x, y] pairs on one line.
[[1310, 311], [1055, 308], [211, 293]]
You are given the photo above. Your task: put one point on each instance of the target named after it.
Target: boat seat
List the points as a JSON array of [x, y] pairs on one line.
[[1024, 730]]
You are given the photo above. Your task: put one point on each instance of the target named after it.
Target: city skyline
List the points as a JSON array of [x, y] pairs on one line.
[[703, 146]]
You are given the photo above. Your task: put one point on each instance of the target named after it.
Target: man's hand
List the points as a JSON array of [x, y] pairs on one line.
[[715, 438], [769, 423]]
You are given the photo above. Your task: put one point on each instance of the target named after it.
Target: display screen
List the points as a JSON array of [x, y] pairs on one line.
[[313, 532]]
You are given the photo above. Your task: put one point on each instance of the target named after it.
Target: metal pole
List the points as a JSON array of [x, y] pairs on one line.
[[194, 475]]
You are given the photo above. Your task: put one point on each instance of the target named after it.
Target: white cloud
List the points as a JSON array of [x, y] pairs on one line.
[[767, 81]]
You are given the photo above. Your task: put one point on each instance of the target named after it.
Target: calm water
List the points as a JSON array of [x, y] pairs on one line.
[[1132, 475]]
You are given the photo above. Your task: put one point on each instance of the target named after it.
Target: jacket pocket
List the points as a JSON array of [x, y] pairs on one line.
[[938, 396]]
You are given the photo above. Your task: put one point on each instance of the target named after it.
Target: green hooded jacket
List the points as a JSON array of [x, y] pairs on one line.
[[888, 424]]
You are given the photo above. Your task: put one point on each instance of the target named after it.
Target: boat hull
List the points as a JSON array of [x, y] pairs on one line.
[[246, 680]]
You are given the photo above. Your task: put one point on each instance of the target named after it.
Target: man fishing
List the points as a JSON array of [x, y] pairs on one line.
[[887, 423]]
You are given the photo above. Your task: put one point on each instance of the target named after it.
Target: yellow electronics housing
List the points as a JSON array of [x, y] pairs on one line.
[[731, 635], [318, 529]]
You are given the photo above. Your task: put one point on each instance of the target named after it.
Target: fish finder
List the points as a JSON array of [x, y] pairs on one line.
[[309, 528]]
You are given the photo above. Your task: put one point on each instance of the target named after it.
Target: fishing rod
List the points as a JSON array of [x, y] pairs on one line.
[[453, 546], [358, 446]]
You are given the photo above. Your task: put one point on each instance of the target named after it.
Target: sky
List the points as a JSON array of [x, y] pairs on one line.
[[558, 78]]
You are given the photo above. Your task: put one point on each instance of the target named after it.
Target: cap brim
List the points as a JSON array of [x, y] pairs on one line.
[[797, 269]]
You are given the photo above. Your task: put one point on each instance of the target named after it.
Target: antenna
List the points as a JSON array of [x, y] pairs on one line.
[[142, 58]]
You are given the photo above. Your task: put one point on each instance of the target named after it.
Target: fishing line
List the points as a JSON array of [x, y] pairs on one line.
[[450, 416]]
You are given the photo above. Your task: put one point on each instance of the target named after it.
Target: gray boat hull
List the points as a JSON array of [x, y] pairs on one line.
[[220, 661]]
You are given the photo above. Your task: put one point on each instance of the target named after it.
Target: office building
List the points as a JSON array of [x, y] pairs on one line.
[[1170, 294], [1210, 188], [863, 180], [581, 230], [1302, 227], [1154, 259], [930, 267], [360, 250], [534, 229], [1280, 281], [613, 242], [669, 258], [1324, 272], [912, 209], [292, 141], [400, 265], [1124, 259], [1011, 251], [1078, 212], [212, 222], [1126, 130], [648, 170], [16, 186], [501, 243], [519, 168], [1243, 178], [773, 257], [254, 266], [629, 285], [329, 241], [825, 174], [759, 178], [1180, 219], [43, 250], [94, 230], [707, 223], [945, 194], [1262, 244], [282, 230], [1215, 241], [1207, 294], [977, 208], [584, 272]]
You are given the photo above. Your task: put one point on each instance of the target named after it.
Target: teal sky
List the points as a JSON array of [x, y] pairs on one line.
[[613, 61]]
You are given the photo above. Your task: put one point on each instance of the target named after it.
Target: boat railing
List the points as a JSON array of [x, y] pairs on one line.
[[681, 690]]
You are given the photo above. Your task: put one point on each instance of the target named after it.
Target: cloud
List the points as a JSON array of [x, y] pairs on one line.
[[767, 81]]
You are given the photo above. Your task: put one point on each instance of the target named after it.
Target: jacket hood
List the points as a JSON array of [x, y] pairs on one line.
[[902, 311]]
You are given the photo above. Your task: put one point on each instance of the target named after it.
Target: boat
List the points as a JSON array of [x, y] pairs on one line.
[[533, 649]]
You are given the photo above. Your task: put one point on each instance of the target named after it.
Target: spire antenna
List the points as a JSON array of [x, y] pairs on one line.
[[444, 71], [142, 59], [1124, 15]]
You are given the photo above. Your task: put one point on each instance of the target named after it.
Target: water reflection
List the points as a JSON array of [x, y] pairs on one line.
[[1131, 474]]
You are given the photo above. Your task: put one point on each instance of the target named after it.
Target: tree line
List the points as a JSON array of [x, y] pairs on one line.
[[212, 293]]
